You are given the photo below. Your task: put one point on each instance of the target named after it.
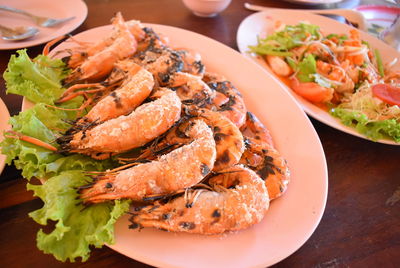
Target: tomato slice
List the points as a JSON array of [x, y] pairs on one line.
[[311, 91], [387, 93]]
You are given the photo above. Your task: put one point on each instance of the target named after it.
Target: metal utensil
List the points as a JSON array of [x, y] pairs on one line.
[[19, 33], [354, 18], [40, 21], [392, 34]]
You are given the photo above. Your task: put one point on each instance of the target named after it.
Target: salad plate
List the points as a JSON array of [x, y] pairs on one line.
[[290, 220], [4, 116], [48, 8], [260, 24]]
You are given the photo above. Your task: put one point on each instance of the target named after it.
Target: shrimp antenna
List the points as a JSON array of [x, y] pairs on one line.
[[46, 49]]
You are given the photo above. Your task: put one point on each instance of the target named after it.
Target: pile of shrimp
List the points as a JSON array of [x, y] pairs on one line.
[[193, 158]]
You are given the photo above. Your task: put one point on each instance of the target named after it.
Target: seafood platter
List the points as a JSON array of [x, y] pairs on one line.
[[143, 139]]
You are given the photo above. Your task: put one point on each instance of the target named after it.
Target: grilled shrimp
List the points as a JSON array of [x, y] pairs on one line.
[[80, 54], [179, 169], [130, 85], [233, 107], [136, 29], [238, 199], [135, 88], [123, 133], [191, 89], [268, 164], [255, 129], [161, 62], [154, 55], [228, 139], [191, 62], [101, 63], [151, 41]]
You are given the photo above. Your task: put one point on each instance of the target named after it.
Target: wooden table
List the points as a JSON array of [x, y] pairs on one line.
[[360, 226]]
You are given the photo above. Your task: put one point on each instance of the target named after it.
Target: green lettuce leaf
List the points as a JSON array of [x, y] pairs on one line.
[[374, 130], [39, 79], [35, 161], [77, 227], [280, 42], [307, 72], [292, 63], [306, 69]]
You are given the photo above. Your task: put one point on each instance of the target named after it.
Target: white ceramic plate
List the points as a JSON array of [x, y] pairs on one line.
[[291, 219], [4, 116], [261, 23], [48, 8]]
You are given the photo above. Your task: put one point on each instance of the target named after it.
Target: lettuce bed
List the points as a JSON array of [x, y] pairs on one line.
[[76, 228]]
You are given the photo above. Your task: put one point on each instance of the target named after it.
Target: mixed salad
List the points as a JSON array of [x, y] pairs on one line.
[[339, 72], [77, 227]]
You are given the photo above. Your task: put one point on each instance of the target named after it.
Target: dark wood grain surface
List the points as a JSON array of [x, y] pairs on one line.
[[361, 223]]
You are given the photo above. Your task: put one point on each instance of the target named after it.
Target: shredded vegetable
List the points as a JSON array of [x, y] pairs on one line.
[[379, 62]]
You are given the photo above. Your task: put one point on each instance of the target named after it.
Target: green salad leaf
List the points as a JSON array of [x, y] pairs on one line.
[[374, 130], [280, 42], [35, 161], [39, 79], [77, 227], [306, 68], [369, 115]]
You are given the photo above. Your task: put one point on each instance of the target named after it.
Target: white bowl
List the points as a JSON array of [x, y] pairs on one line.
[[206, 8]]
